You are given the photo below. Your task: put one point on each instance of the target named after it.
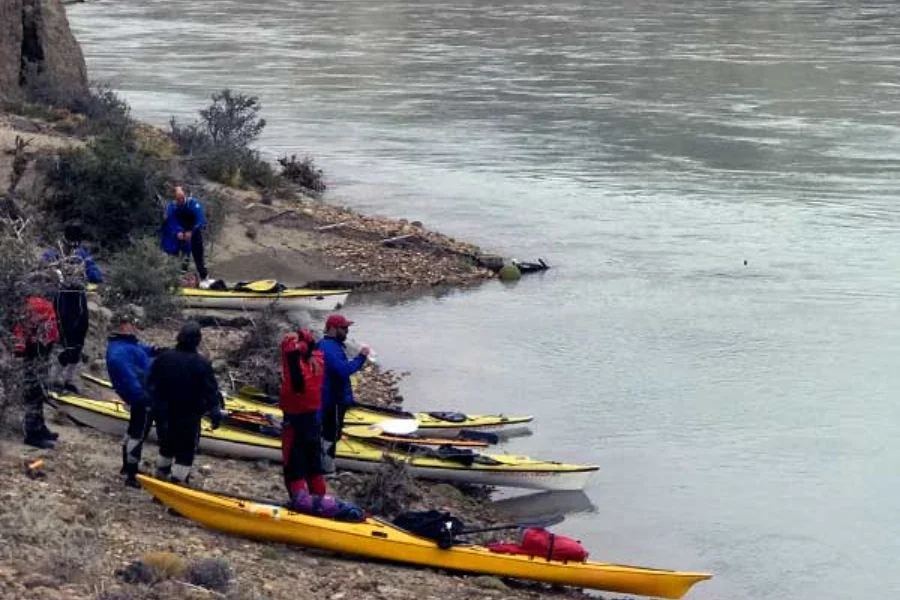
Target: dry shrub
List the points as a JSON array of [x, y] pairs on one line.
[[210, 573], [165, 565], [16, 259], [59, 546], [256, 361], [303, 172], [390, 490], [71, 554], [144, 275]]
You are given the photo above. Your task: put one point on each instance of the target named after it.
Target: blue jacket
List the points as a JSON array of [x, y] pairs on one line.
[[128, 364], [336, 388], [91, 271], [189, 217]]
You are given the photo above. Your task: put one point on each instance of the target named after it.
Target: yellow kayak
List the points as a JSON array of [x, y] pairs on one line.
[[290, 298], [377, 539], [356, 454], [432, 424], [254, 298]]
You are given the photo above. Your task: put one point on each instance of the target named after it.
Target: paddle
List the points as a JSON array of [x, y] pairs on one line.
[[388, 426], [545, 522]]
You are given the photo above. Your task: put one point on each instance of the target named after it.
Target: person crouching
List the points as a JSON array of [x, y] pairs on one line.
[[128, 364], [302, 371], [182, 388]]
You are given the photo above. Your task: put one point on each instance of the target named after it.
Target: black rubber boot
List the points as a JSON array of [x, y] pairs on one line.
[[39, 441], [131, 472], [50, 435]]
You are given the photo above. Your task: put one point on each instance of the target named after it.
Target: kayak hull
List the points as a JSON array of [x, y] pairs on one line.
[[111, 417], [380, 540]]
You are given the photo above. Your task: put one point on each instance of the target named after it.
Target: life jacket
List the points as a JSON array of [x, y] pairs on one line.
[[302, 373], [38, 327], [538, 542]]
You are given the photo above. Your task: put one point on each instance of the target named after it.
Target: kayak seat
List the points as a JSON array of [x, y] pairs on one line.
[[269, 286]]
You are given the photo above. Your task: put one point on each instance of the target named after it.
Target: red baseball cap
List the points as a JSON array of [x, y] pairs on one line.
[[337, 321]]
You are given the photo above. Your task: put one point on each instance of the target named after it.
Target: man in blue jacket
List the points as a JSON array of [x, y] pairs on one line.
[[128, 364], [337, 393], [182, 232]]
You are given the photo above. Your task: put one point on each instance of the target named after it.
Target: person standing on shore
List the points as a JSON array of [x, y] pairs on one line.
[[302, 373], [337, 392], [182, 233], [182, 387], [128, 364], [34, 337], [75, 266]]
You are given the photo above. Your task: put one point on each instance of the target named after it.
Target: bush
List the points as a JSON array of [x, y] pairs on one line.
[[144, 275], [210, 573], [101, 110], [109, 187], [16, 263], [256, 361], [106, 112], [304, 173], [232, 120], [219, 143]]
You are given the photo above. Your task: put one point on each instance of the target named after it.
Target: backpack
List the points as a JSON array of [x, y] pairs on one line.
[[441, 527]]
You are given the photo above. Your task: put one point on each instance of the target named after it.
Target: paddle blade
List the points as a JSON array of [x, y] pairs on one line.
[[398, 426]]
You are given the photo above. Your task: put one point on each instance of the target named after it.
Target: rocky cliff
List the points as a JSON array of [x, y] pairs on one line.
[[38, 50]]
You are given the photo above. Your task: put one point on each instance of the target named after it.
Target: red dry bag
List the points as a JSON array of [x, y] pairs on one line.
[[537, 541]]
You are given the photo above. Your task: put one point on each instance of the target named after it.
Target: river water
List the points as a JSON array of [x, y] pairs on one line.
[[744, 415]]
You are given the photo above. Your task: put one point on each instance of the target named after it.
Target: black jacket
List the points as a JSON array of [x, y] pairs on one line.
[[183, 384]]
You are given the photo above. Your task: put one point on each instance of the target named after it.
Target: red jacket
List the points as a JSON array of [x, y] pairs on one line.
[[37, 328], [301, 376]]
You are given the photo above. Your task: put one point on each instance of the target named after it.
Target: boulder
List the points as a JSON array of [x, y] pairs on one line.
[[510, 272], [37, 47], [10, 48]]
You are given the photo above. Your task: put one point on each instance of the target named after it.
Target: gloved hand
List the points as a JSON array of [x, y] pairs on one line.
[[216, 417], [365, 350]]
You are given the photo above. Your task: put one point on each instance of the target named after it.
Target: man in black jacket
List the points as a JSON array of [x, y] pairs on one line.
[[182, 387]]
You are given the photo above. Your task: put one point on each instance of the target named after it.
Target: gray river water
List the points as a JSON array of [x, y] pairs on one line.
[[744, 415]]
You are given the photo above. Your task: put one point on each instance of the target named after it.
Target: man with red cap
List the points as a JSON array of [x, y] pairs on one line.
[[337, 393], [182, 232]]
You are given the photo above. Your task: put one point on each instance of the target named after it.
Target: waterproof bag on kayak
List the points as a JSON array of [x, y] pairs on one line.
[[537, 541], [441, 527]]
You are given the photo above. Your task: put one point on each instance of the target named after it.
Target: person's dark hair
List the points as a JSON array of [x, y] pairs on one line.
[[189, 336], [73, 232]]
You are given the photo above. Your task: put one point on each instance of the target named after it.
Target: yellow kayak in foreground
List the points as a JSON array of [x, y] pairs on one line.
[[380, 540]]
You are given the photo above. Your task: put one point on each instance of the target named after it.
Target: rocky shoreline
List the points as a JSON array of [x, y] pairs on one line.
[[79, 526], [70, 532]]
